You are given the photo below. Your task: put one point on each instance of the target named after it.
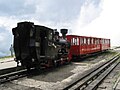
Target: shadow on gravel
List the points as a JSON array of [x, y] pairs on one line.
[[52, 74]]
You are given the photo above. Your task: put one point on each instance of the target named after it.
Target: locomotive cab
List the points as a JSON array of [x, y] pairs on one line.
[[33, 44], [22, 43]]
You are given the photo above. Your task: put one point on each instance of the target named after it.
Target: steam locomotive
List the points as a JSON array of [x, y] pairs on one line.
[[38, 46]]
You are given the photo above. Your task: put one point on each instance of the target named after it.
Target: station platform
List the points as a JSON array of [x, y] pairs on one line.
[[3, 60], [7, 63]]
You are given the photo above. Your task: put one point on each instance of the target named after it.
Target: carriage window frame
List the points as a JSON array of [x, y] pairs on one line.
[[71, 41]]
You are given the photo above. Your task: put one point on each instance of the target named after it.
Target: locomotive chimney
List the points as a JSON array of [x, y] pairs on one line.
[[64, 32]]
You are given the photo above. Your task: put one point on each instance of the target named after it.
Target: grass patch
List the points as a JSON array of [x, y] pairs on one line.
[[5, 57], [109, 52]]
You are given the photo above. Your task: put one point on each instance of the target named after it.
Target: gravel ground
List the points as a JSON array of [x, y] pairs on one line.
[[110, 80], [54, 77]]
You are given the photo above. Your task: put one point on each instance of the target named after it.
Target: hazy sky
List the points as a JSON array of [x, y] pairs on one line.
[[99, 18]]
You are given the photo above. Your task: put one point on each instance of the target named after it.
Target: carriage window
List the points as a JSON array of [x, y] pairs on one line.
[[84, 40], [77, 41], [102, 41], [108, 41], [97, 41], [81, 41], [94, 41], [88, 41], [91, 40], [73, 41]]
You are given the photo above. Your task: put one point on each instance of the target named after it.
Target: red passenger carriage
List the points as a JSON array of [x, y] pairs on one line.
[[105, 44], [83, 45]]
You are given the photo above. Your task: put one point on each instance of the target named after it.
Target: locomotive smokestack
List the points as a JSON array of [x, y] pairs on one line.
[[64, 32]]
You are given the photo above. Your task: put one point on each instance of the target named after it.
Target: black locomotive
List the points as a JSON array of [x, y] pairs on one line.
[[37, 46]]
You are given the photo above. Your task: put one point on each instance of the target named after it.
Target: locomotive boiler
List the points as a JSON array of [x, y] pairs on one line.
[[38, 46]]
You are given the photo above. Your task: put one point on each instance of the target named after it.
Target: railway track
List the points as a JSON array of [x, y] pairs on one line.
[[12, 74], [91, 79]]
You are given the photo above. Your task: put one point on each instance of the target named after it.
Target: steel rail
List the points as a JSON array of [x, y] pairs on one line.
[[9, 70], [99, 79], [90, 74], [9, 74], [12, 76]]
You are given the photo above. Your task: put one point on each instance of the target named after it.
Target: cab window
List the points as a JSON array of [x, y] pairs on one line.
[[50, 35]]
